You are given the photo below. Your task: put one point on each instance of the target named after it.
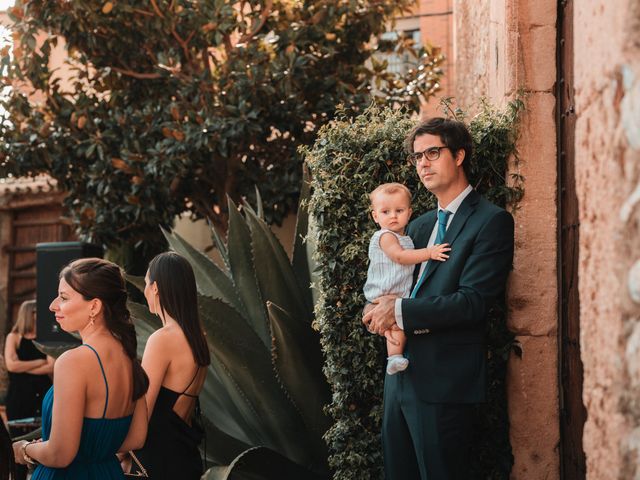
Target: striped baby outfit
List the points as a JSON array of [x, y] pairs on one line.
[[385, 277]]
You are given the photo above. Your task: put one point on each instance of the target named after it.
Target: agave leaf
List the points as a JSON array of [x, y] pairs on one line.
[[224, 404], [260, 209], [300, 258], [136, 281], [298, 360], [260, 463], [220, 447], [145, 322], [32, 435], [275, 275], [141, 312], [219, 243], [241, 261], [264, 403], [54, 349], [211, 281]]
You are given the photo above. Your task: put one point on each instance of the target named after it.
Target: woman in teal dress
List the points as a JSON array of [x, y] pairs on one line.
[[96, 406]]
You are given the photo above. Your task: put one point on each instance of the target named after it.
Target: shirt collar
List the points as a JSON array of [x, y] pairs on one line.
[[455, 204]]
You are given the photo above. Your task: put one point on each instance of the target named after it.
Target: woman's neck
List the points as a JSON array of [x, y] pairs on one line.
[[168, 321], [90, 332]]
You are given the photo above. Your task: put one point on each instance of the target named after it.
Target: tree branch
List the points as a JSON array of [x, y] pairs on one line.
[[138, 75], [268, 5], [157, 10]]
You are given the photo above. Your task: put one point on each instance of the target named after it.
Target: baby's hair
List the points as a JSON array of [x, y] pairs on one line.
[[390, 188]]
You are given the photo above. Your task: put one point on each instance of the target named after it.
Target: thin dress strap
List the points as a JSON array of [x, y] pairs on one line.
[[184, 392], [106, 385]]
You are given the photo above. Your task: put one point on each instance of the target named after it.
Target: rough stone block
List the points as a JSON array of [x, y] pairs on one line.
[[532, 389]]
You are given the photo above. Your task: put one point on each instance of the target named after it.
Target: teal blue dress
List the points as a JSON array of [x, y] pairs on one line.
[[100, 440]]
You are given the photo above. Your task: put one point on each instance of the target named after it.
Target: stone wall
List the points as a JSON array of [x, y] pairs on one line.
[[471, 46], [607, 82], [503, 46]]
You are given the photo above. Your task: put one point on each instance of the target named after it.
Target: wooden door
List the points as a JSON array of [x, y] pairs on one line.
[[30, 226], [572, 411]]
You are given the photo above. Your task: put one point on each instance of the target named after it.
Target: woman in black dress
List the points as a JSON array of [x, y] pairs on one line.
[[175, 358], [29, 371]]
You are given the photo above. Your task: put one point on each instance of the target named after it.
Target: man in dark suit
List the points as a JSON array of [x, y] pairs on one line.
[[428, 408]]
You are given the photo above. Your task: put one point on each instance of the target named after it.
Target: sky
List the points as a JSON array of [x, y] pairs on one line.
[[4, 4]]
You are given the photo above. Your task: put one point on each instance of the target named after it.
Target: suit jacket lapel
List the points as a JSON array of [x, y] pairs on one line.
[[467, 207], [421, 238]]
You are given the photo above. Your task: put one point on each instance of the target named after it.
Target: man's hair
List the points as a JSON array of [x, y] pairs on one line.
[[390, 188], [453, 133]]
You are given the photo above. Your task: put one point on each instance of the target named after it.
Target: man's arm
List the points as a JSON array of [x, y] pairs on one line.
[[481, 281]]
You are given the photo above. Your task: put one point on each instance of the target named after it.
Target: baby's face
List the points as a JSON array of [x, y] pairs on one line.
[[391, 211]]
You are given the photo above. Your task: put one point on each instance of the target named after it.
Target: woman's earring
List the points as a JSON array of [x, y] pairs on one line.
[[91, 320]]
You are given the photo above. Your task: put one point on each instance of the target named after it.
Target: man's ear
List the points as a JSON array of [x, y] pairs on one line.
[[460, 157]]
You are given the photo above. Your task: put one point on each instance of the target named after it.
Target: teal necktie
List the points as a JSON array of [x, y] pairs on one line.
[[443, 216]]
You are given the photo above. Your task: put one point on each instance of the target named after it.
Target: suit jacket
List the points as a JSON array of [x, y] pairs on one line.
[[446, 322]]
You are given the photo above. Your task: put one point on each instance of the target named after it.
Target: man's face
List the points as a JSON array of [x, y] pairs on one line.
[[442, 174]]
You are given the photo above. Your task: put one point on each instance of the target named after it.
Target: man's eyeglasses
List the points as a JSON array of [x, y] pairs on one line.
[[432, 154]]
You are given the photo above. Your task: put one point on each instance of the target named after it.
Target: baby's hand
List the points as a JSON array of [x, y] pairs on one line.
[[438, 252]]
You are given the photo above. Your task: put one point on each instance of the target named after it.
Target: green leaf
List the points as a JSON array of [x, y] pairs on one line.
[[211, 281], [263, 402], [276, 278], [296, 355], [243, 272], [260, 463]]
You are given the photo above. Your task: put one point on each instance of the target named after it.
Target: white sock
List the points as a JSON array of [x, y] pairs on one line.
[[396, 363]]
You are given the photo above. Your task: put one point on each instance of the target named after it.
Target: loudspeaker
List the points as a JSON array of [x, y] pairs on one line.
[[51, 258]]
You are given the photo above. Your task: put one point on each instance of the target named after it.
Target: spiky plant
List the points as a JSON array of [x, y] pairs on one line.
[[265, 391]]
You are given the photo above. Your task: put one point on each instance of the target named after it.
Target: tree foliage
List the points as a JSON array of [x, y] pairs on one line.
[[174, 105]]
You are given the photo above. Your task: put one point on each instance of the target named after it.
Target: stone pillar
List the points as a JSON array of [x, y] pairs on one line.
[[607, 83], [503, 46]]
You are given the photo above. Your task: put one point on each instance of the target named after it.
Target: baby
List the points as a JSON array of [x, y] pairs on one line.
[[392, 259]]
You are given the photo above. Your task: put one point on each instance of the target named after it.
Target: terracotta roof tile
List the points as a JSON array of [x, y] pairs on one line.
[[27, 185]]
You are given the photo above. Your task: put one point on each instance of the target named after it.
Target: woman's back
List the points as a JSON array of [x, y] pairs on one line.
[[111, 376], [107, 414], [183, 375], [171, 450], [175, 359]]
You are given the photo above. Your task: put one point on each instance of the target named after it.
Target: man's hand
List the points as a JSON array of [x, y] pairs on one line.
[[380, 315]]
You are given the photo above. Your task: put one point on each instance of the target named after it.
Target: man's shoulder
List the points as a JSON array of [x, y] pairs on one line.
[[489, 208], [417, 222]]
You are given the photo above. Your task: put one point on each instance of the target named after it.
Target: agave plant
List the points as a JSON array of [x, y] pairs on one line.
[[265, 391]]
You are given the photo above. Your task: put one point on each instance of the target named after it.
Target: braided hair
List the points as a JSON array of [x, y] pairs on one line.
[[98, 278]]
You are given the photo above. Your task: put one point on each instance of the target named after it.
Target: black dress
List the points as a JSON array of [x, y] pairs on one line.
[[171, 449], [25, 394], [26, 391]]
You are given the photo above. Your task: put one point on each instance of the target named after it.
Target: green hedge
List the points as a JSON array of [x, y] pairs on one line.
[[350, 157]]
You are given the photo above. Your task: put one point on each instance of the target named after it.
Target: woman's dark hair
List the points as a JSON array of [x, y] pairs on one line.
[[97, 278], [179, 298], [453, 133]]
